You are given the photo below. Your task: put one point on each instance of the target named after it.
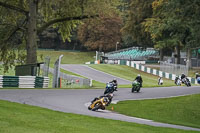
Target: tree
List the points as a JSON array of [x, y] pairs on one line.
[[139, 10], [127, 39], [102, 33], [174, 24], [26, 19]]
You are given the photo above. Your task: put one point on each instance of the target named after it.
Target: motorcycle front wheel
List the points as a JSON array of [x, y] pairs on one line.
[[133, 89], [89, 108], [106, 91]]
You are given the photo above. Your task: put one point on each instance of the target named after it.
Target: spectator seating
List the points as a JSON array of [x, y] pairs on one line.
[[133, 53]]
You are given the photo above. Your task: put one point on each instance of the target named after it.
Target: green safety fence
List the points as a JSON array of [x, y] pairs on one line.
[[24, 81]]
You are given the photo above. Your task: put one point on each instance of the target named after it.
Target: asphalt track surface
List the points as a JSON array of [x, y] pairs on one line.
[[94, 74]]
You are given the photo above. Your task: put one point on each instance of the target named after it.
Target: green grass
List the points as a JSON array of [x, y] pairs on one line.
[[130, 73], [183, 110], [68, 57], [71, 73], [21, 118], [192, 72], [96, 84]]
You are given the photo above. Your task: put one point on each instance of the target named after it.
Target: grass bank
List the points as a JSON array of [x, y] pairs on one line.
[[184, 110], [68, 57], [21, 118]]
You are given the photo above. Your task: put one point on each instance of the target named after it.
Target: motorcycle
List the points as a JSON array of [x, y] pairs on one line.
[[135, 86], [110, 88], [101, 102], [178, 81], [160, 81], [186, 81]]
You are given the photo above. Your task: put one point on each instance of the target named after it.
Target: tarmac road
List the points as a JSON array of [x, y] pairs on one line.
[[94, 74], [76, 100]]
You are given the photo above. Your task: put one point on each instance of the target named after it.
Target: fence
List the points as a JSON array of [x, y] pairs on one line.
[[45, 67], [24, 81], [173, 68], [167, 75], [72, 81]]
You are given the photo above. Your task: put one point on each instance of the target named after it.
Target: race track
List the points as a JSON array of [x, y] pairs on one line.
[[77, 100]]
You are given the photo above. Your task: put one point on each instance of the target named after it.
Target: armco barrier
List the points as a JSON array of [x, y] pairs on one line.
[[156, 72], [24, 81]]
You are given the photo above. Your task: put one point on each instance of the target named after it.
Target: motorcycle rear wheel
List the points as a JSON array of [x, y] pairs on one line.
[[138, 90], [188, 84], [96, 107]]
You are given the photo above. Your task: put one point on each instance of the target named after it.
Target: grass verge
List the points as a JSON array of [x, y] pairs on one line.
[[68, 57], [21, 118], [184, 110]]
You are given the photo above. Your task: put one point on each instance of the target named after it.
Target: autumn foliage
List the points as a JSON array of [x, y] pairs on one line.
[[101, 34]]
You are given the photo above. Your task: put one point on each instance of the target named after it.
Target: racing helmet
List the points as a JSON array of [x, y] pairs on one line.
[[115, 80]]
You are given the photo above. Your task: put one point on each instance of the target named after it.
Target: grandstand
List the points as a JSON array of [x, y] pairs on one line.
[[133, 53]]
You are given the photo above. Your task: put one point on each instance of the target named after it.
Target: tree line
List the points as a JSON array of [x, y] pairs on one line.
[[165, 24]]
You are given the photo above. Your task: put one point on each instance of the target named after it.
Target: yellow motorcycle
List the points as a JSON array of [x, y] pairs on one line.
[[101, 102]]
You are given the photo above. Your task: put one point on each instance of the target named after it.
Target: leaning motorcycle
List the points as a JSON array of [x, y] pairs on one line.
[[135, 86], [110, 88], [186, 81], [101, 102], [178, 81]]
